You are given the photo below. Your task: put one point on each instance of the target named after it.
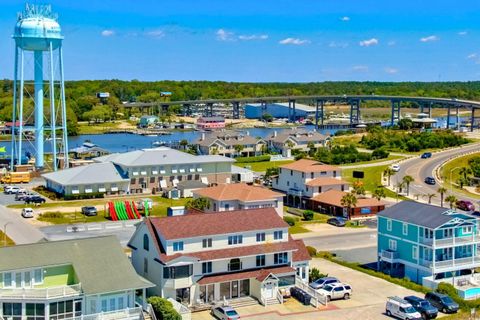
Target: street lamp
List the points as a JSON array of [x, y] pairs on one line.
[[5, 233], [451, 181]]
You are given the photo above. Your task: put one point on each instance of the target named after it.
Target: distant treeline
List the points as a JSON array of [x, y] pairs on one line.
[[81, 95]]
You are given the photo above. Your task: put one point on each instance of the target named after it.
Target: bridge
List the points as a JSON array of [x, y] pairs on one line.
[[425, 104]]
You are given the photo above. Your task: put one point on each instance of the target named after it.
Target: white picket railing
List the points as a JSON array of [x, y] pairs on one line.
[[316, 296]]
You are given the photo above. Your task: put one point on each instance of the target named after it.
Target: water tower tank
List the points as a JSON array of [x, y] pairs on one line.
[[36, 27]]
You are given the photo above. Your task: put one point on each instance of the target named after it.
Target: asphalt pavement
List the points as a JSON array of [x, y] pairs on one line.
[[17, 228]]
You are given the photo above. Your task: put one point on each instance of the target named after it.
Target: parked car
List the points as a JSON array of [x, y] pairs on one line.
[[430, 180], [89, 211], [442, 302], [321, 282], [426, 155], [337, 222], [225, 313], [21, 196], [401, 309], [34, 199], [465, 205], [423, 306], [395, 167], [27, 212], [11, 189], [336, 291]]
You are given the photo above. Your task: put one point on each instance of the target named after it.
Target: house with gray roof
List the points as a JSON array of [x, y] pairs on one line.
[[69, 279], [429, 245], [230, 144], [297, 139]]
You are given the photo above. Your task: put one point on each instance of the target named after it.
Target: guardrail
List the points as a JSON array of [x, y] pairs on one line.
[[93, 226], [124, 314], [279, 296], [43, 293], [317, 297]]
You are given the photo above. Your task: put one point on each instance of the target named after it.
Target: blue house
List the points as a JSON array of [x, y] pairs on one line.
[[429, 245]]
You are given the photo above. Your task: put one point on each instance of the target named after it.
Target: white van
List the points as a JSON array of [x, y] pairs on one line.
[[401, 309]]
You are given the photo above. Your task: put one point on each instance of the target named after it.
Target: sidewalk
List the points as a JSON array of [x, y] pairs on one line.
[[19, 230]]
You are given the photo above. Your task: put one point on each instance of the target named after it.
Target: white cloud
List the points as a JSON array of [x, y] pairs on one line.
[[224, 35], [345, 18], [360, 68], [334, 44], [429, 38], [294, 41], [156, 34], [391, 43], [108, 33], [472, 56], [246, 37], [462, 33], [368, 43], [390, 70]]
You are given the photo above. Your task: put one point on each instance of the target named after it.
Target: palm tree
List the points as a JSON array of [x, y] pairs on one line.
[[430, 196], [238, 148], [379, 193], [184, 143], [452, 200], [200, 203], [465, 172], [358, 188], [388, 172], [442, 192], [349, 200], [407, 180]]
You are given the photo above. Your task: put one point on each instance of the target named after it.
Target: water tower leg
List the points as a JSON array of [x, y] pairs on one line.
[[20, 116], [53, 127], [14, 110], [39, 109], [64, 111]]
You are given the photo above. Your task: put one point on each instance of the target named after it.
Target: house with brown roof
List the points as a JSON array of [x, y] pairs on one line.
[[239, 196], [202, 258], [230, 144], [330, 202], [304, 179]]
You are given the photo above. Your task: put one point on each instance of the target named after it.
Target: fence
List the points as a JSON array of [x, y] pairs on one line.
[[317, 298]]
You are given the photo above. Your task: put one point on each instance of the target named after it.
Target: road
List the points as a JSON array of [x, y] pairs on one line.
[[20, 231], [419, 169]]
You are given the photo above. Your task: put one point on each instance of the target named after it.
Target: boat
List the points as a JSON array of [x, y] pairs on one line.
[[159, 143]]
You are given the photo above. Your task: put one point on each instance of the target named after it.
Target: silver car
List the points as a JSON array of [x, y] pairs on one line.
[[225, 313]]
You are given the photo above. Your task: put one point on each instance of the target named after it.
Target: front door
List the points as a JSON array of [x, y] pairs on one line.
[[183, 295], [235, 289], [269, 289]]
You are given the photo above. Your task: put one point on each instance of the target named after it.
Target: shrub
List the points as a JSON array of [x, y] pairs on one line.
[[290, 221], [80, 196], [308, 215], [315, 274], [52, 195], [164, 309], [253, 159], [380, 153], [51, 215], [311, 251]]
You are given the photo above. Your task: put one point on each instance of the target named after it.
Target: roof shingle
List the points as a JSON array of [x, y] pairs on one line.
[[237, 191], [306, 165]]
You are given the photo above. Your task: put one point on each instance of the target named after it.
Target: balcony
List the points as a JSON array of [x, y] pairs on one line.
[[125, 314], [447, 242], [43, 293], [295, 192], [451, 263], [389, 255]]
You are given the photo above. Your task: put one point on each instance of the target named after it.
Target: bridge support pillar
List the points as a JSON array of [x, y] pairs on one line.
[[263, 106], [209, 110], [448, 116], [186, 110], [395, 112], [164, 108], [236, 110], [457, 116], [472, 119], [354, 112], [318, 113], [294, 113]]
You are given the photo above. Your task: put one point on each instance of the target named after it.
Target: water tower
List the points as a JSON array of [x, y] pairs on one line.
[[38, 40]]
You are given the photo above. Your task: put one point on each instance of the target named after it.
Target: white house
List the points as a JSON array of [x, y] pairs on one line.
[[201, 258], [229, 197]]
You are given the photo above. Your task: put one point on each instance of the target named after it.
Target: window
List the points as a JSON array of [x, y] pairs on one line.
[[392, 245], [207, 267], [261, 237], [145, 265], [291, 172], [278, 235], [235, 265], [323, 173], [146, 244], [12, 311], [178, 272], [7, 279], [227, 206], [35, 311], [260, 260], [280, 258], [303, 175], [120, 303], [65, 309], [207, 243], [237, 239], [467, 230], [389, 225], [288, 183], [178, 246], [311, 175], [38, 276], [415, 252], [405, 229]]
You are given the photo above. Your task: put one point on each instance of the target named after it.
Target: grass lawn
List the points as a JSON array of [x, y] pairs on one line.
[[98, 128], [372, 176], [262, 166], [297, 228], [5, 240], [56, 217], [453, 168], [390, 157]]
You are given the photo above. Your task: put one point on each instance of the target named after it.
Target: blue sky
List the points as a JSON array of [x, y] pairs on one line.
[[262, 41]]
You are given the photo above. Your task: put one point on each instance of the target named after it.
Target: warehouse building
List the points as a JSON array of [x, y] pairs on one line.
[[278, 110]]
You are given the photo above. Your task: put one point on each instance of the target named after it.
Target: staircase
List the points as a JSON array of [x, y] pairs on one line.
[[242, 302], [146, 316], [272, 301]]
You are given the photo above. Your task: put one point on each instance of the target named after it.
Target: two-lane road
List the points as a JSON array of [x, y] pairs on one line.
[[420, 168]]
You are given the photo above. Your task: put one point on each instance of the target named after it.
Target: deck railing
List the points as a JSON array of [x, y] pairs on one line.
[[41, 293]]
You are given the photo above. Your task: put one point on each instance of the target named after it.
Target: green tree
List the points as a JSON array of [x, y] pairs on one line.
[[389, 172], [464, 173], [267, 117], [164, 309], [349, 201], [358, 188], [430, 196], [308, 215], [405, 124], [184, 143], [200, 203], [238, 148], [315, 274], [442, 192], [452, 200], [406, 181], [379, 193], [272, 171]]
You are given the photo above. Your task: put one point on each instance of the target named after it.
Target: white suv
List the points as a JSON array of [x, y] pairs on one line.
[[336, 291], [27, 212]]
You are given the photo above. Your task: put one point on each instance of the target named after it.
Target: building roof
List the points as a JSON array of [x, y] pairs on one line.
[[227, 140], [99, 263], [94, 173], [202, 224], [298, 106], [334, 198], [237, 191], [159, 156], [300, 136], [419, 214], [326, 181], [301, 254], [306, 165], [191, 184], [259, 274]]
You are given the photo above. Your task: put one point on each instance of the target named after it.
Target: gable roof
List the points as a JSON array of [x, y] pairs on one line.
[[202, 224], [99, 263], [105, 172], [298, 136], [334, 197], [237, 191], [306, 165], [420, 214], [325, 181], [159, 156]]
